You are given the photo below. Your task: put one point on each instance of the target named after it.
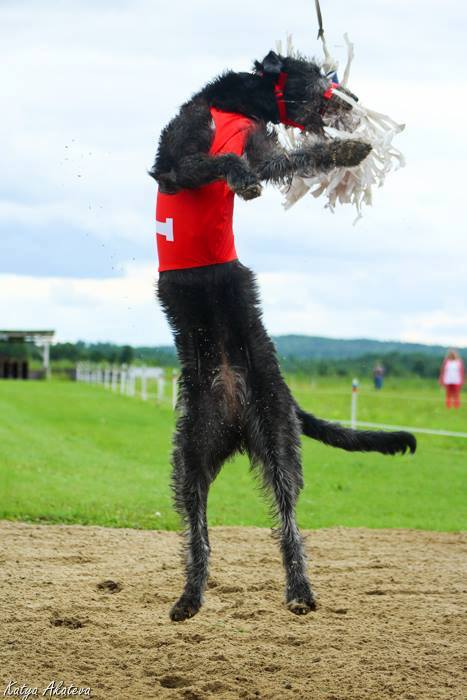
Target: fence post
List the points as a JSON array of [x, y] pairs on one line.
[[131, 384], [144, 383], [160, 388], [123, 374], [114, 378], [353, 405]]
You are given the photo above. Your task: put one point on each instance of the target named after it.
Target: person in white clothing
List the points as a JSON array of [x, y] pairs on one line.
[[452, 378]]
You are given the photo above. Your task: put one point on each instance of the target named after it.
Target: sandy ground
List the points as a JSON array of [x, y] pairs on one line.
[[389, 623]]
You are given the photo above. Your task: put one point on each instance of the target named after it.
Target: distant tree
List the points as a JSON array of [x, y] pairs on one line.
[[311, 356], [66, 351], [127, 355]]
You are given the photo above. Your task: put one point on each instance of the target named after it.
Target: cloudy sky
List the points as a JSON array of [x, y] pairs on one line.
[[85, 88]]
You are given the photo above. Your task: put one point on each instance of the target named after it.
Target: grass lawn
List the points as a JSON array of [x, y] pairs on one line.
[[75, 453]]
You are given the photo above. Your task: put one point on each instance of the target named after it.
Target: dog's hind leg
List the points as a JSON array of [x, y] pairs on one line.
[[191, 485], [201, 445], [274, 443]]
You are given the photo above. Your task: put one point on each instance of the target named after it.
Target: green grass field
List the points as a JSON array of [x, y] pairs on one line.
[[74, 453]]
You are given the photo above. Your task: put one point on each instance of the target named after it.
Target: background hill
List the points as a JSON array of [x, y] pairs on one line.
[[316, 347]]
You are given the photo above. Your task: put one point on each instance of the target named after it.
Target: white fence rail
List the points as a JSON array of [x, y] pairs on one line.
[[127, 380], [138, 381], [354, 423], [409, 428]]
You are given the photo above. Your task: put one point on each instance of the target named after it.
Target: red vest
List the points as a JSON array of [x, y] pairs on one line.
[[194, 227]]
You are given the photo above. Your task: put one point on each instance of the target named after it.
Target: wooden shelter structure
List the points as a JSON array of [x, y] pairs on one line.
[[14, 367]]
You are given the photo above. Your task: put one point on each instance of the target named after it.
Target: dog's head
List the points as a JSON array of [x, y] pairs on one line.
[[302, 92]]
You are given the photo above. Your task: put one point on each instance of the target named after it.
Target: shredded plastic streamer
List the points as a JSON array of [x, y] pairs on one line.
[[345, 185]]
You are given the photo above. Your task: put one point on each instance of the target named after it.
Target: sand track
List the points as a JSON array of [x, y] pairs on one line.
[[88, 606]]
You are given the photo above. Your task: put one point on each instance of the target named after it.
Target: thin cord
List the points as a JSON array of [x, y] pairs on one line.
[[320, 20]]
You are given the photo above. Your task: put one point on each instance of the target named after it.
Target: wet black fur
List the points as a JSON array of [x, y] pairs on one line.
[[232, 396], [182, 160]]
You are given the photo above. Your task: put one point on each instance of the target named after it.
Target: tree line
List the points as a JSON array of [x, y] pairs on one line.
[[397, 364]]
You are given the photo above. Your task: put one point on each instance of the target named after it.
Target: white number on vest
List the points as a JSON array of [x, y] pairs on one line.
[[166, 229]]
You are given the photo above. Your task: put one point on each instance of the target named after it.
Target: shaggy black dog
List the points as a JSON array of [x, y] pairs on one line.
[[232, 397]]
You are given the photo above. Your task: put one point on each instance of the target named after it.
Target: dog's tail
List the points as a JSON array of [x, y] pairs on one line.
[[335, 435]]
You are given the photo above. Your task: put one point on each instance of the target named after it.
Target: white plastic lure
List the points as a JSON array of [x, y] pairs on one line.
[[346, 185]]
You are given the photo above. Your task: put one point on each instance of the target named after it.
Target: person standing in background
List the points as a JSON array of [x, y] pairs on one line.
[[378, 375], [452, 378]]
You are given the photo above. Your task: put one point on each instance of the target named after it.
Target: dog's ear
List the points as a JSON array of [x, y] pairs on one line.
[[271, 65]]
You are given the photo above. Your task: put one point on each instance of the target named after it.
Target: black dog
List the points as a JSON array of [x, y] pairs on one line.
[[232, 396]]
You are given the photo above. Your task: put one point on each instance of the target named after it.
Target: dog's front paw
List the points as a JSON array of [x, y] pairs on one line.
[[247, 186], [168, 183], [349, 152], [251, 192]]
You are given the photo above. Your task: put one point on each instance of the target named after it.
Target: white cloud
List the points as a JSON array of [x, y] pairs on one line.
[[299, 303], [123, 309], [88, 87]]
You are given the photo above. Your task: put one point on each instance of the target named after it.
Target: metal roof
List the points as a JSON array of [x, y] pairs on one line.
[[25, 335]]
